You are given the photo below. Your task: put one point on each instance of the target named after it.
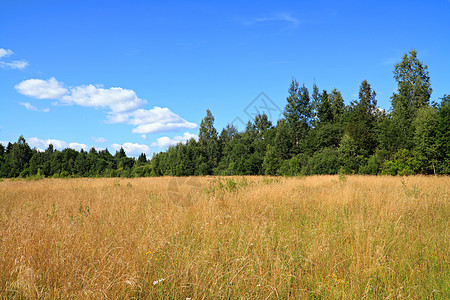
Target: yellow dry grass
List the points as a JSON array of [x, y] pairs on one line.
[[324, 237]]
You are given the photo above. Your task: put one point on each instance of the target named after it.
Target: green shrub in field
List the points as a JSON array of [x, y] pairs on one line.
[[404, 163]]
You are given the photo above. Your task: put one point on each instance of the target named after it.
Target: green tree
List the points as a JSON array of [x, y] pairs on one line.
[[404, 162], [20, 156], [413, 92], [337, 105], [349, 158], [315, 104], [362, 120], [2, 161], [283, 141], [262, 123], [325, 161], [142, 159], [425, 124], [298, 112], [443, 136], [209, 143], [325, 110], [81, 165], [271, 161]]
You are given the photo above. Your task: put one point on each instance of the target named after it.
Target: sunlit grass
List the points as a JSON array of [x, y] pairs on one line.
[[253, 237]]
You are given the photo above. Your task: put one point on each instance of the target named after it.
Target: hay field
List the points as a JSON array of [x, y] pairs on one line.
[[320, 237]]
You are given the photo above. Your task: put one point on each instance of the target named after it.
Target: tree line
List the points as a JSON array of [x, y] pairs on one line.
[[318, 134]]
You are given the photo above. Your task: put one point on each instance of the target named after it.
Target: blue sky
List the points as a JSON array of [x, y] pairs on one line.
[[141, 74]]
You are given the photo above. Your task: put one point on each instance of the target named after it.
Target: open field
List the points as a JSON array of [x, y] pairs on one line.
[[324, 237]]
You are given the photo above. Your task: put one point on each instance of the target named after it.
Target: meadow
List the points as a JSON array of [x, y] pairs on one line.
[[318, 237]]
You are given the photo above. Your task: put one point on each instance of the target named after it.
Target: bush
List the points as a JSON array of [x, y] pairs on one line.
[[325, 161], [372, 166], [404, 163]]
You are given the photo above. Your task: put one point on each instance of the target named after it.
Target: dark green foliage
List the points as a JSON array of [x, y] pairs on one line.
[[297, 113], [443, 136], [315, 103], [325, 110], [19, 157], [325, 161], [372, 166], [337, 105], [209, 144], [362, 119], [349, 158], [404, 163], [425, 138], [413, 92]]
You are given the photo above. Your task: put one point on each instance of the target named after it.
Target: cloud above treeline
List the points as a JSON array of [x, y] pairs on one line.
[[122, 105], [115, 99], [132, 149], [58, 144], [157, 119], [164, 142]]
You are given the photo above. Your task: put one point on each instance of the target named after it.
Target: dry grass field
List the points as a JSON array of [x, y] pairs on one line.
[[320, 237]]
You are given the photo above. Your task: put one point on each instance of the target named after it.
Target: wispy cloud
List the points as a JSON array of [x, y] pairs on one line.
[[15, 64], [5, 52], [29, 106], [288, 19], [99, 139]]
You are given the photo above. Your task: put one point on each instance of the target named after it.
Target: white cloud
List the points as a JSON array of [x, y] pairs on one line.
[[99, 139], [163, 127], [4, 143], [132, 149], [5, 52], [42, 89], [154, 115], [117, 99], [28, 106], [157, 119], [58, 144], [15, 64], [78, 146], [144, 136], [164, 142], [123, 104]]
